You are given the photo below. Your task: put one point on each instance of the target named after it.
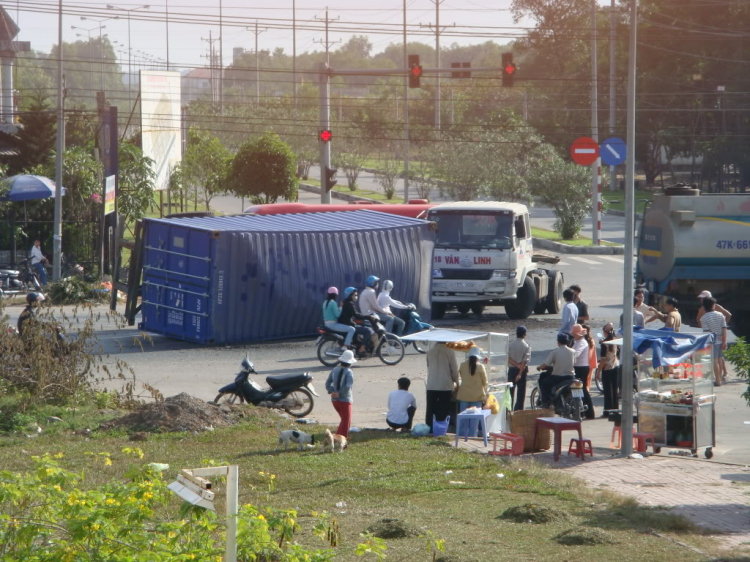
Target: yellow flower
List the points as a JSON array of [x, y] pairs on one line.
[[172, 534], [110, 501], [107, 461], [58, 488], [95, 527], [261, 517], [148, 496]]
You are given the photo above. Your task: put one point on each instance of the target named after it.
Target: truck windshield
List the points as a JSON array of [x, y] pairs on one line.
[[473, 229]]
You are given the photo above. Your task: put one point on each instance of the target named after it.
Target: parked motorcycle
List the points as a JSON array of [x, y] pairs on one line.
[[567, 399], [390, 349], [291, 393], [414, 324], [17, 281]]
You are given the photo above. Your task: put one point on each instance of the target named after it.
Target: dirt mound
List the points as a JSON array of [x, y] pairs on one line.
[[532, 513], [392, 529], [177, 413], [585, 537]]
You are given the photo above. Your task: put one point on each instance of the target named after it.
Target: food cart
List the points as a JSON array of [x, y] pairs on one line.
[[494, 348], [675, 400]]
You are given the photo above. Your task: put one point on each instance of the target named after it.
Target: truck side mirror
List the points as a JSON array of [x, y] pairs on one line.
[[520, 227]]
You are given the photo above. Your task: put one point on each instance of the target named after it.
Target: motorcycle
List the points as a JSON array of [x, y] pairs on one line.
[[567, 399], [291, 393], [17, 281], [390, 349], [414, 324]]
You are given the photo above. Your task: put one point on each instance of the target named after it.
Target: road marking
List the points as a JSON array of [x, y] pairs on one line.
[[562, 263], [584, 260], [612, 258]]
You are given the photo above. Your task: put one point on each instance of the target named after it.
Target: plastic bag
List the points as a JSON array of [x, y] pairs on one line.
[[492, 404], [420, 430]]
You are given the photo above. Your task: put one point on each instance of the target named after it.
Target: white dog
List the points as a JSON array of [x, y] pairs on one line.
[[292, 435], [334, 441]]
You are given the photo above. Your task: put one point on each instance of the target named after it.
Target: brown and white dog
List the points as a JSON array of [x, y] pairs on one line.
[[333, 442]]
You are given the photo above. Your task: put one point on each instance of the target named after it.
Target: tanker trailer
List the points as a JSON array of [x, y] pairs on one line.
[[690, 243]]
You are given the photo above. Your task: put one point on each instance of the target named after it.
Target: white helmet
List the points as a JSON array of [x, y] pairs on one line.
[[387, 285]]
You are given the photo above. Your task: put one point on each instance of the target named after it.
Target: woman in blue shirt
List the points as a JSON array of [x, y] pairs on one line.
[[331, 313]]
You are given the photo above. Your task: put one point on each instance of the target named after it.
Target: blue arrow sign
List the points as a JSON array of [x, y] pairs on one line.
[[613, 151]]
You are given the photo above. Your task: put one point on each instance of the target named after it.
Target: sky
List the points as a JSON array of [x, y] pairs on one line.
[[187, 49]]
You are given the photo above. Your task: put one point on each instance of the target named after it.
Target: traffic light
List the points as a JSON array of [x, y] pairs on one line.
[[329, 178], [415, 71], [325, 135], [461, 73], [509, 70]]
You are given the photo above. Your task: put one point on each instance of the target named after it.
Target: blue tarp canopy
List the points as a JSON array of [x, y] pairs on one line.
[[667, 347]]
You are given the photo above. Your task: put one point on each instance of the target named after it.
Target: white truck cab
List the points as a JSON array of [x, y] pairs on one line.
[[484, 255]]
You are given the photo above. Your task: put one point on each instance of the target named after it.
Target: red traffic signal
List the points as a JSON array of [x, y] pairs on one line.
[[415, 71], [326, 135], [509, 70]]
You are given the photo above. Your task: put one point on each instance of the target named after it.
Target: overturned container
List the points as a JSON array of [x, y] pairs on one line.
[[217, 280]]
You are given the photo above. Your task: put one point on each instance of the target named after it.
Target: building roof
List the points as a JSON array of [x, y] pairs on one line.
[[481, 206], [201, 73], [341, 221], [8, 28]]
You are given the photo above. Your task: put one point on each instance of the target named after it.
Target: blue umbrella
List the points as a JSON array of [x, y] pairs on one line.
[[25, 187]]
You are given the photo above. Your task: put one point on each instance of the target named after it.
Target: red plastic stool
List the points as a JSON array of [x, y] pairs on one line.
[[640, 442], [512, 444], [580, 447], [617, 433]]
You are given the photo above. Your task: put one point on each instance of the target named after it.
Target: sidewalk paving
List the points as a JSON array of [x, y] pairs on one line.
[[713, 495]]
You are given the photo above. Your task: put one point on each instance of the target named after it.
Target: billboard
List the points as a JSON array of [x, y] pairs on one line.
[[161, 120]]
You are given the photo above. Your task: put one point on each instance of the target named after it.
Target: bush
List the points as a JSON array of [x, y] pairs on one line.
[[49, 514], [739, 356], [74, 290]]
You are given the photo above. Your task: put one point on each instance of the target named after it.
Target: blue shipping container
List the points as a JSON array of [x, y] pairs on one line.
[[248, 278]]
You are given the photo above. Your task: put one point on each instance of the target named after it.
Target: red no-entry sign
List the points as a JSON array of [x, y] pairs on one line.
[[584, 151]]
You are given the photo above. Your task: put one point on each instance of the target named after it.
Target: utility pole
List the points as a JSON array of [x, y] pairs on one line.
[[325, 125], [257, 59], [406, 116], [612, 91], [211, 63], [626, 448], [327, 42], [294, 52], [596, 167], [221, 57], [166, 12], [438, 30], [57, 234]]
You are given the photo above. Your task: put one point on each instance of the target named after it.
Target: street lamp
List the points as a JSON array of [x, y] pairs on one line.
[[101, 44], [130, 69], [88, 31]]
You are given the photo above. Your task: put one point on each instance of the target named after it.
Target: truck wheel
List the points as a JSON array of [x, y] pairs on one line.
[[463, 309], [540, 307], [523, 306], [438, 310], [477, 309], [554, 295]]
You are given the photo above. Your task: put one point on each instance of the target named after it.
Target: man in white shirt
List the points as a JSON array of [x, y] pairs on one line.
[[368, 303], [401, 406], [561, 361], [713, 321], [639, 303], [385, 301], [38, 260]]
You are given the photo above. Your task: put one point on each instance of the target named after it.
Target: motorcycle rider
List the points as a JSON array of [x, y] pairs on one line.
[[331, 313], [349, 313], [385, 301], [368, 303], [560, 361], [33, 300]]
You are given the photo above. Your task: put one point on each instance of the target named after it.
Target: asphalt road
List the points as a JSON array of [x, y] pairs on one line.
[[173, 366]]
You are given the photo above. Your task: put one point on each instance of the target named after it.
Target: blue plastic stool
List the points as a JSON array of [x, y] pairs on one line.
[[482, 415]]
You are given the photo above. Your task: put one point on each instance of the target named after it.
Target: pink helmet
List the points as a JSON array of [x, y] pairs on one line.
[[333, 291]]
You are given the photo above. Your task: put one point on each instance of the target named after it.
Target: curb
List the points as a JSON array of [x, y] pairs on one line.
[[337, 194], [568, 249]]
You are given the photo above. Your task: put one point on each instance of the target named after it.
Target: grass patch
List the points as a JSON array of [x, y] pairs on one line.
[[532, 513], [555, 237], [615, 200], [380, 476], [376, 195], [585, 537]]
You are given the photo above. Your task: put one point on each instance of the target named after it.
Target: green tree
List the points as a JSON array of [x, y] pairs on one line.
[[205, 165], [264, 170], [352, 161], [35, 137], [387, 175], [135, 184], [563, 187]]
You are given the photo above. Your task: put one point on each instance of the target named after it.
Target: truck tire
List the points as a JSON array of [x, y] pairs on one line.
[[554, 295], [477, 309], [463, 309], [523, 306], [438, 310]]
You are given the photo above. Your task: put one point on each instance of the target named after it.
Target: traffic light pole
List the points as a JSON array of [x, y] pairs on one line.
[[596, 167], [325, 125]]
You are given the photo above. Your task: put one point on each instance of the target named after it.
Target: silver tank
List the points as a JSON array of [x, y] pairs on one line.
[[690, 231]]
